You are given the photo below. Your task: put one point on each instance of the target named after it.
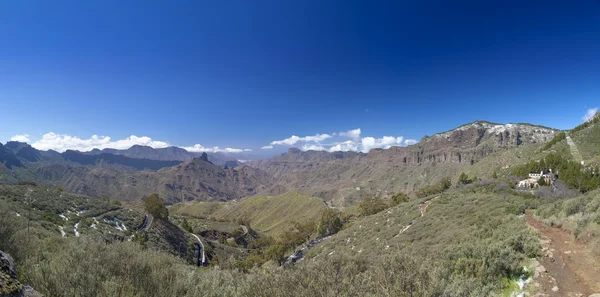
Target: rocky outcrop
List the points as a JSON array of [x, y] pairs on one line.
[[9, 285], [473, 142]]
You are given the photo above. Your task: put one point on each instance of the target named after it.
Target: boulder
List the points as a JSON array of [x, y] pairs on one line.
[[9, 285]]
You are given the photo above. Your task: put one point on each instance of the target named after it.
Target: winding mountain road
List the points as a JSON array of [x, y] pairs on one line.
[[201, 245], [147, 223]]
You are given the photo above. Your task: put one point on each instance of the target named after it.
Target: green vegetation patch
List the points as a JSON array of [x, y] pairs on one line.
[[476, 235], [274, 214], [197, 209]]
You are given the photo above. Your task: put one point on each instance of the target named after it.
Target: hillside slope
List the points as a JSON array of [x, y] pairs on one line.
[[586, 140], [274, 214]]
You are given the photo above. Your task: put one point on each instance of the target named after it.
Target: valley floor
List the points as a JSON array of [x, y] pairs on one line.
[[568, 268]]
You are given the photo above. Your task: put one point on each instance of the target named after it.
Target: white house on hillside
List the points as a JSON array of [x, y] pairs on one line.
[[535, 177]]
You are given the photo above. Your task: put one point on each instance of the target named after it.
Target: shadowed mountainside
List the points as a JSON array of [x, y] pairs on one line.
[[124, 178], [171, 153]]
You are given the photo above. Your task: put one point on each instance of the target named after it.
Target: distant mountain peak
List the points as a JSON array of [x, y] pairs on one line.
[[493, 128], [294, 150]]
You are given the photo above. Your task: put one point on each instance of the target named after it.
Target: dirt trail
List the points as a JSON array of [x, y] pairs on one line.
[[423, 206], [568, 267]]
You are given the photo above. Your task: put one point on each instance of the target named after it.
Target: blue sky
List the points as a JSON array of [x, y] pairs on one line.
[[242, 74]]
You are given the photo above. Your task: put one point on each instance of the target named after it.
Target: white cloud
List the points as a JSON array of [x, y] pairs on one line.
[[344, 147], [356, 144], [410, 141], [312, 147], [354, 134], [267, 147], [385, 142], [589, 114], [63, 142], [197, 148], [294, 139], [20, 138]]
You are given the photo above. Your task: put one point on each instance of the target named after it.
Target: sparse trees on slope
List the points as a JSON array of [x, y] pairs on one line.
[[442, 186], [275, 252], [155, 206], [299, 234], [330, 223]]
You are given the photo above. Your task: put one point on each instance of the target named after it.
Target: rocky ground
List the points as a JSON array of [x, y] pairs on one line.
[[9, 285]]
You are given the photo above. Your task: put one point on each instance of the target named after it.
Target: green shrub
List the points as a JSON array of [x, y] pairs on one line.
[[574, 206], [400, 198], [440, 187]]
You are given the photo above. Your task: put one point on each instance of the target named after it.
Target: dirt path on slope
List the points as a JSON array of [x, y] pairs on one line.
[[574, 151], [424, 205], [568, 267]]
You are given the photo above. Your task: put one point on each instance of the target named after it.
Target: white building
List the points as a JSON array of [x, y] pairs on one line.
[[534, 178]]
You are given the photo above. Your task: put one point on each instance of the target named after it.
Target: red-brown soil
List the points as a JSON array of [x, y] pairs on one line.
[[569, 267]]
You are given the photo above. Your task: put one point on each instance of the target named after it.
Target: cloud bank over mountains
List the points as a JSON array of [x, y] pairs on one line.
[[356, 143], [350, 140], [63, 142]]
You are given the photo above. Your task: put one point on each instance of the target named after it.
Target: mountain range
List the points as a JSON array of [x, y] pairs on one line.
[[341, 178], [344, 178]]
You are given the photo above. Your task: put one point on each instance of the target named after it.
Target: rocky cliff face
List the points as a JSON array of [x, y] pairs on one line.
[[469, 143]]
